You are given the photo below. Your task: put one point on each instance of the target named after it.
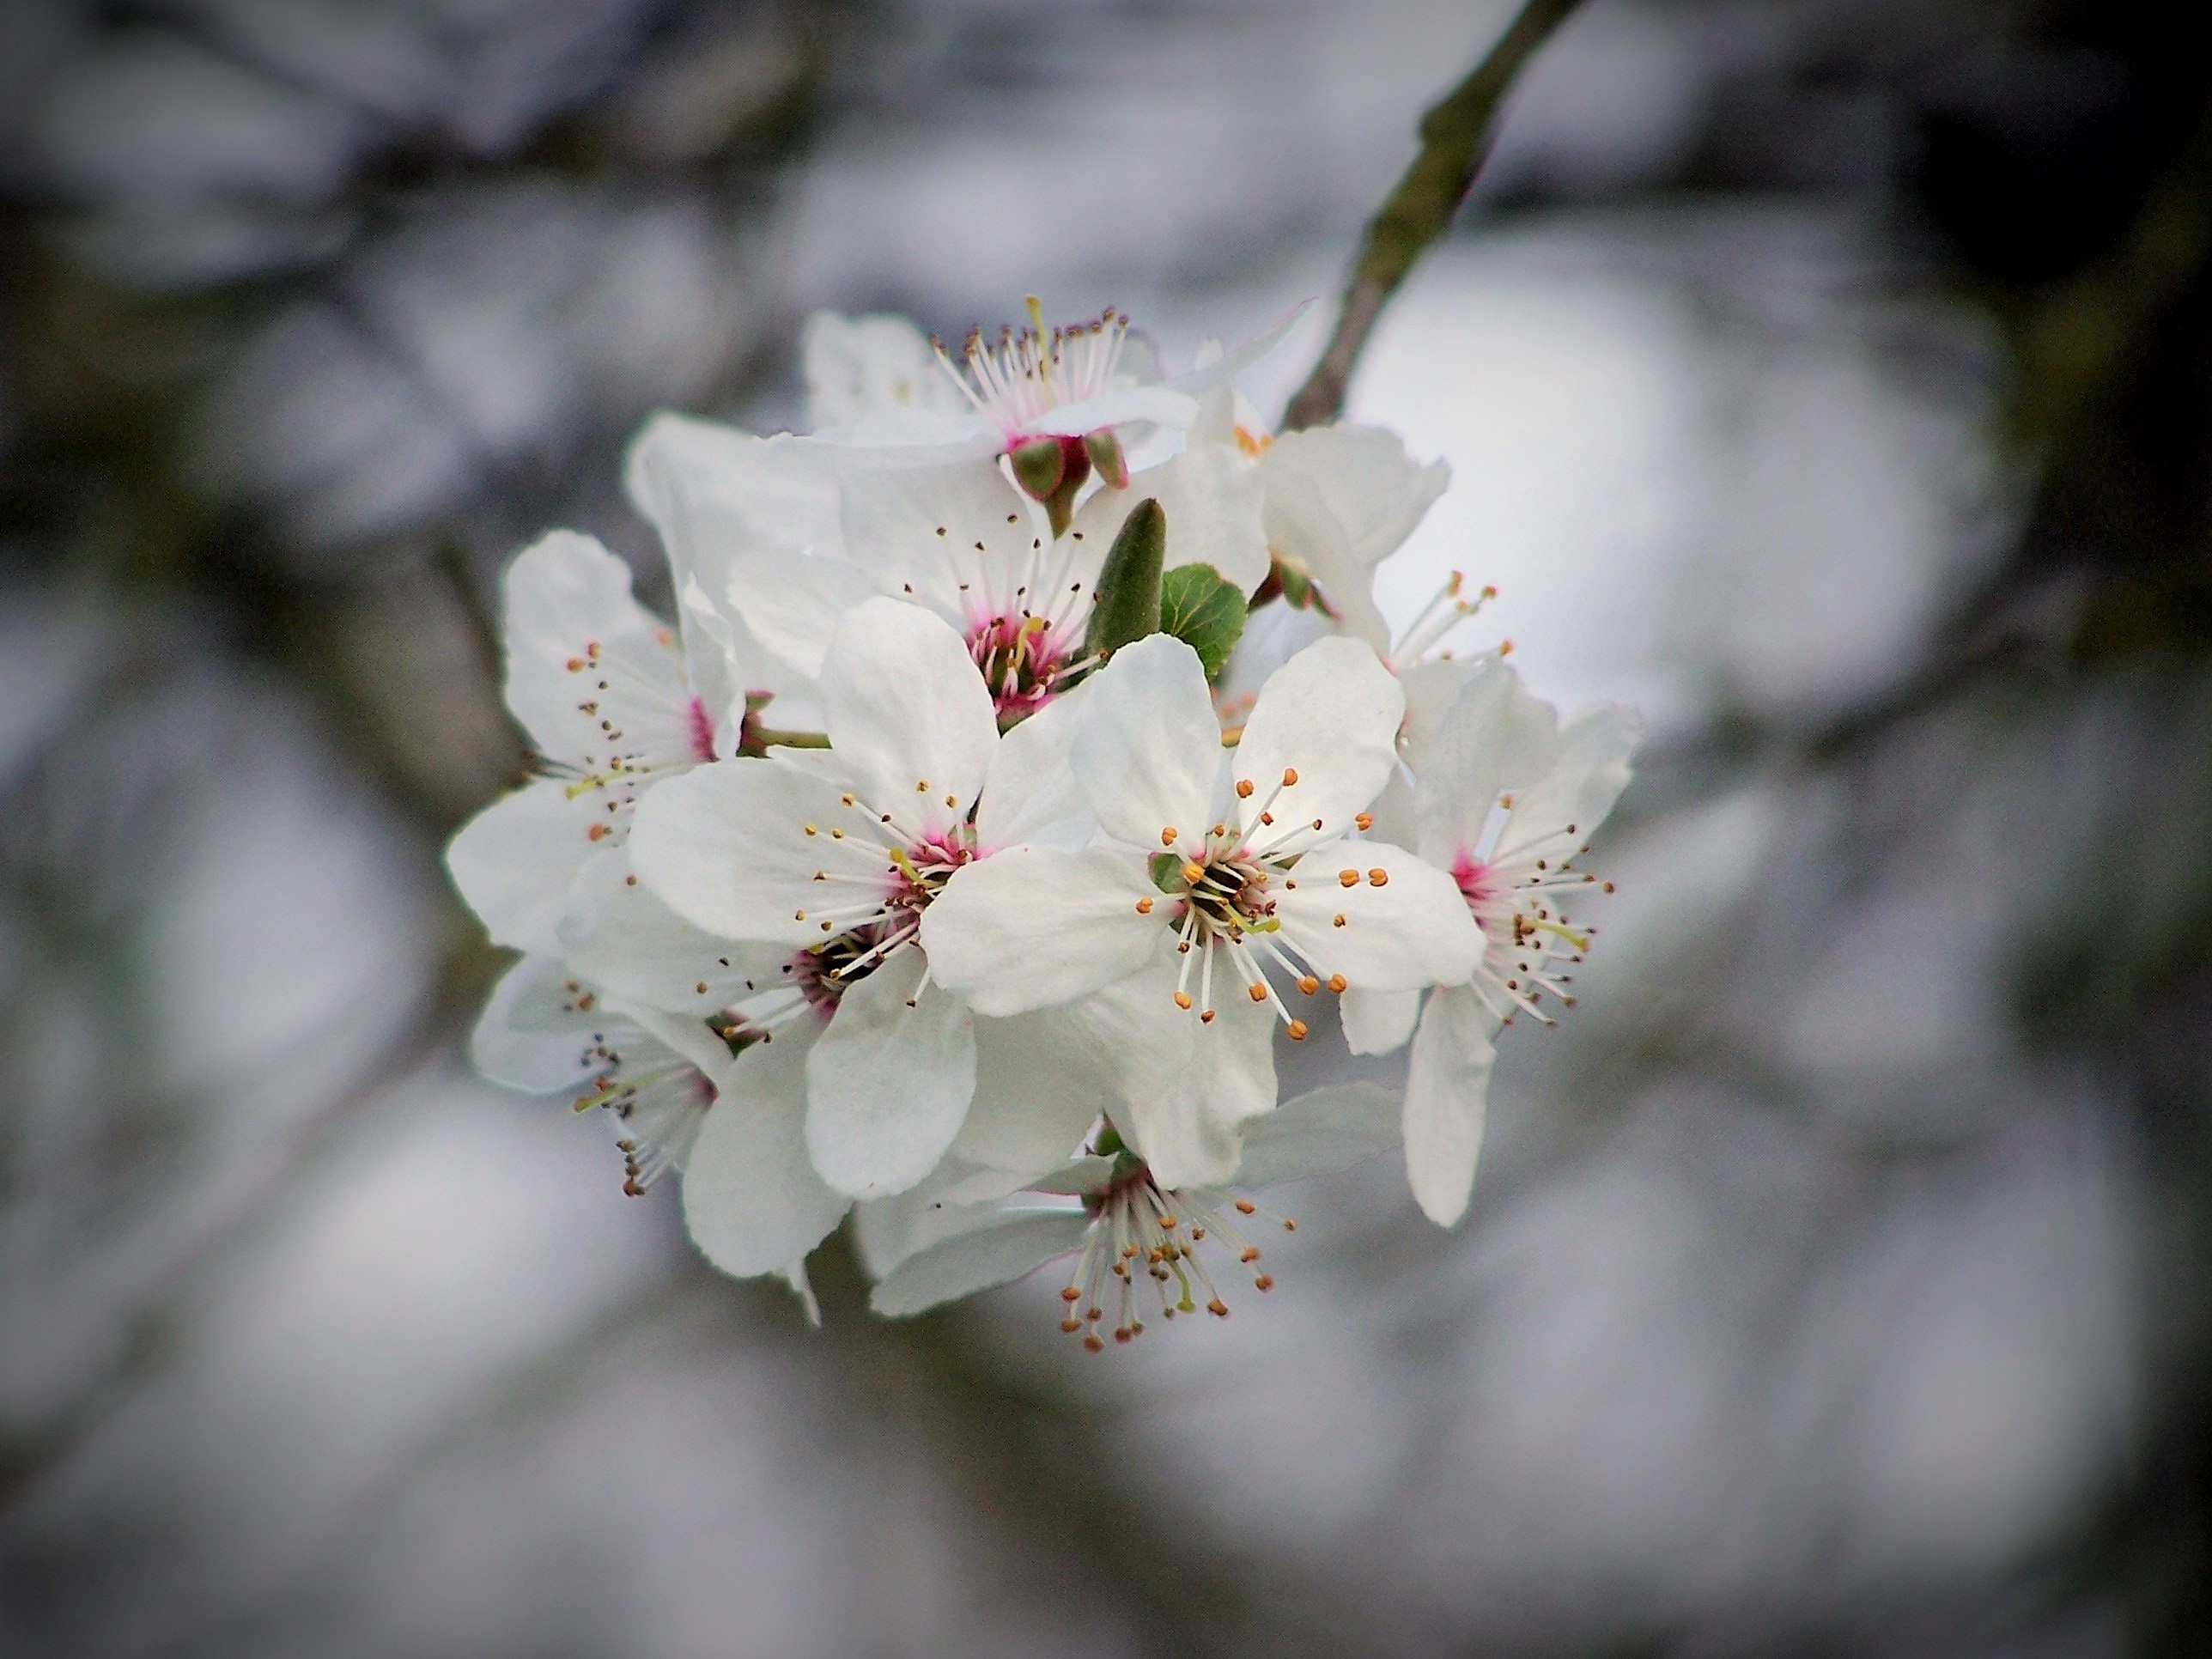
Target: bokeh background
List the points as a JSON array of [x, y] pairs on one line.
[[1831, 377]]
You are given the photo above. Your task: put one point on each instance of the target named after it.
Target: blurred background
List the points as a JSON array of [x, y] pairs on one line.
[[1833, 378]]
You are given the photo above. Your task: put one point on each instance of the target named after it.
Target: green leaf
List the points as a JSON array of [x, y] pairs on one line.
[[1204, 612], [1128, 605]]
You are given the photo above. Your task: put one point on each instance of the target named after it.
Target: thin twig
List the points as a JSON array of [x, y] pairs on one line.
[[1455, 137]]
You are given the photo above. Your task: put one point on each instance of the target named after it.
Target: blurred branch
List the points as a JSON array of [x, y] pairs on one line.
[[1456, 138]]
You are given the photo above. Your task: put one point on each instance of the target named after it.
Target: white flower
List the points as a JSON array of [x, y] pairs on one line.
[[637, 1023], [1219, 867], [837, 856], [602, 687], [1505, 802], [1138, 1243], [958, 539], [869, 381]]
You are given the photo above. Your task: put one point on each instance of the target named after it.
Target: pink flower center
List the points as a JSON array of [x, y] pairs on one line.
[[1478, 884], [1021, 660]]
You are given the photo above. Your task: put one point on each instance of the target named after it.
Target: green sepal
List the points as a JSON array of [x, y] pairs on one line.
[[1296, 586], [1128, 605], [1167, 871], [1039, 463], [1105, 452], [1206, 612]]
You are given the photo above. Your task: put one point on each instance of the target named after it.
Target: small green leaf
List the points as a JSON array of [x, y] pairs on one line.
[[1204, 612], [1128, 605]]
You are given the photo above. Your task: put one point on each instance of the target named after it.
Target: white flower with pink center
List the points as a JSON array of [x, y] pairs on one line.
[[1142, 1248], [1506, 801], [1217, 867], [837, 856], [606, 691]]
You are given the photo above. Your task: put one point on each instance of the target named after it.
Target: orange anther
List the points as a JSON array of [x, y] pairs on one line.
[[1258, 993], [1336, 983], [1144, 906], [1377, 876], [1182, 1000], [1364, 820], [1309, 984], [597, 832], [1337, 921], [1245, 1206], [1244, 788], [1297, 1031], [1168, 835], [1348, 878], [1205, 1017], [1290, 776]]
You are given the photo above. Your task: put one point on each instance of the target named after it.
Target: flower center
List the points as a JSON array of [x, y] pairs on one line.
[[1022, 659], [1140, 1231]]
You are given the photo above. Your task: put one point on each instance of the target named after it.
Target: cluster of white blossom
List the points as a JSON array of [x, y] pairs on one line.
[[959, 854]]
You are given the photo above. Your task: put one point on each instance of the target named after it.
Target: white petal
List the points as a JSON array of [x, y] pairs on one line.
[[751, 1198], [793, 604], [1413, 929], [889, 1082], [855, 365], [908, 715], [1038, 1090], [1186, 1088], [1014, 1242], [1495, 736], [539, 1029], [1211, 496], [620, 937], [1361, 493], [515, 861], [726, 847], [1378, 1022], [1030, 793], [1570, 801], [1147, 747], [1319, 1133], [954, 1197], [1330, 714], [1447, 1090], [584, 656], [1156, 404], [1033, 926], [957, 538], [1219, 368]]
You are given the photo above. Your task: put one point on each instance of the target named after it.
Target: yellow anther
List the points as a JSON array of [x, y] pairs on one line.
[[1193, 872]]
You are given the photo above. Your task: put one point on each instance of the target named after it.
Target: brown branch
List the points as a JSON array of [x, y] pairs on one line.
[[1456, 138]]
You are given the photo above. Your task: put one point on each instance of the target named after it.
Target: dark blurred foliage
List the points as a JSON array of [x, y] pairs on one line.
[[313, 311]]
